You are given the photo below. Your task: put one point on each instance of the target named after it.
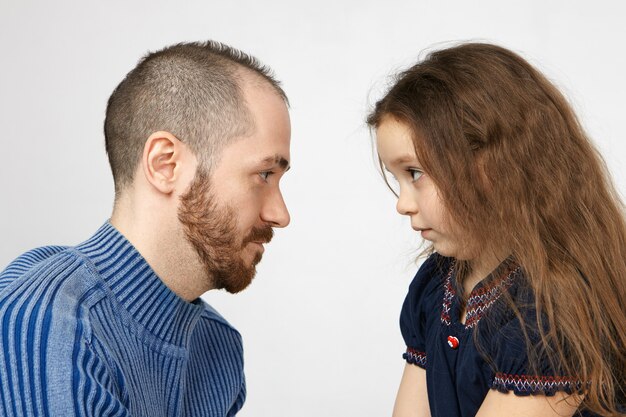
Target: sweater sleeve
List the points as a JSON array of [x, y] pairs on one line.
[[38, 379], [241, 398], [47, 366], [94, 389]]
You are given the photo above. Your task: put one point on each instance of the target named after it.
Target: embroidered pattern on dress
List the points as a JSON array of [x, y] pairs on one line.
[[534, 384], [483, 298], [448, 295], [480, 299], [415, 357]]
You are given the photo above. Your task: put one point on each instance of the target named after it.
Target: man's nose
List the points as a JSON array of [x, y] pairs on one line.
[[275, 211]]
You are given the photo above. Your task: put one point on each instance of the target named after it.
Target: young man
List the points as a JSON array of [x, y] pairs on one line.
[[198, 138]]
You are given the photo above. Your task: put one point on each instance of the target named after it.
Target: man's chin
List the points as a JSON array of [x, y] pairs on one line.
[[238, 288], [256, 261], [235, 282]]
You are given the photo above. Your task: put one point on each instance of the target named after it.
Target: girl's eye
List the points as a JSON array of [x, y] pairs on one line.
[[415, 174], [265, 175]]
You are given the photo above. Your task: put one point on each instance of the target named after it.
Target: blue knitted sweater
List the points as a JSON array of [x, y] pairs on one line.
[[92, 331]]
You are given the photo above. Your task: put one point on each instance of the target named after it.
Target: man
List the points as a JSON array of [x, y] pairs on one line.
[[198, 138]]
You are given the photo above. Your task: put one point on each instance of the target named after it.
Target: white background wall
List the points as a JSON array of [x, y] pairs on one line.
[[320, 320]]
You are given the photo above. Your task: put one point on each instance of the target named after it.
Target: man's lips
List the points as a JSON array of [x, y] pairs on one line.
[[260, 244]]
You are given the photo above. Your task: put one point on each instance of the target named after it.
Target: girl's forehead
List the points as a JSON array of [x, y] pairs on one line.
[[394, 142]]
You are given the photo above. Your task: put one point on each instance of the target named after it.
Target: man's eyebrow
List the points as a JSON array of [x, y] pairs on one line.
[[277, 160]]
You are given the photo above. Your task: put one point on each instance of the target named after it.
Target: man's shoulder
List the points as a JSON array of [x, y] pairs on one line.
[[28, 261], [43, 295], [44, 299], [43, 276]]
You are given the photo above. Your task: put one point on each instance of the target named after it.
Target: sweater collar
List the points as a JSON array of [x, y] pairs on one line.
[[137, 288]]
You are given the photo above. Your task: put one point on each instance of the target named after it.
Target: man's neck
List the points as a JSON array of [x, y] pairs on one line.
[[166, 250]]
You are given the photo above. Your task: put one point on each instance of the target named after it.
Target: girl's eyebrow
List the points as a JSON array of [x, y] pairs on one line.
[[403, 159]]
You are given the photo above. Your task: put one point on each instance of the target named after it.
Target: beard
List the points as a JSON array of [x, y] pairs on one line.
[[212, 231]]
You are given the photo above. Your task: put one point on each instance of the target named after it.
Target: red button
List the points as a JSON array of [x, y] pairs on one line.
[[453, 342]]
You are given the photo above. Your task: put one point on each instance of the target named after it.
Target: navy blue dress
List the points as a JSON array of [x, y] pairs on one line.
[[458, 375]]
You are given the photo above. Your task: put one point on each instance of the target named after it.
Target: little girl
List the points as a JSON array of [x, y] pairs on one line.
[[520, 308]]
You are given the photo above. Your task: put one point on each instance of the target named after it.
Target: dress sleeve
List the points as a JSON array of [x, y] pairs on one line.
[[513, 372], [412, 317]]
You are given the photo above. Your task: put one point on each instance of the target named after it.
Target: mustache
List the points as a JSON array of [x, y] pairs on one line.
[[260, 234]]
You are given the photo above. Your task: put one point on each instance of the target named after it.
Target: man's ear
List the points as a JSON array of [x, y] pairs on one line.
[[162, 161]]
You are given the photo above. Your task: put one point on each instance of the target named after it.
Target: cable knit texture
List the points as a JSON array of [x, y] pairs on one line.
[[92, 331]]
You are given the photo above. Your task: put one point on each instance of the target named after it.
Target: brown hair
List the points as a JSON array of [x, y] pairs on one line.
[[515, 169], [191, 90]]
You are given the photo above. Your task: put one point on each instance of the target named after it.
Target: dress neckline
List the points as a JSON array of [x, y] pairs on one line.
[[481, 298]]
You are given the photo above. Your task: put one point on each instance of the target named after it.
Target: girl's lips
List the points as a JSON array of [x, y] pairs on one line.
[[423, 232]]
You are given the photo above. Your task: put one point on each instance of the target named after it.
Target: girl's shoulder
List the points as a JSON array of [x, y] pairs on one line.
[[426, 290], [431, 275], [424, 295]]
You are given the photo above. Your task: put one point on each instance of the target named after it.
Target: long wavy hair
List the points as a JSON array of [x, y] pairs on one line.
[[515, 169]]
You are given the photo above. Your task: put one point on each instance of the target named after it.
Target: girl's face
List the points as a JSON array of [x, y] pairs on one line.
[[418, 196]]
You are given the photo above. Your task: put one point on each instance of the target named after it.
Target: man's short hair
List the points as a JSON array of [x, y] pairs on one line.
[[191, 90]]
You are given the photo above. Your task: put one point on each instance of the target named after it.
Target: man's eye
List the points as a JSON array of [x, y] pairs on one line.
[[415, 173], [265, 175]]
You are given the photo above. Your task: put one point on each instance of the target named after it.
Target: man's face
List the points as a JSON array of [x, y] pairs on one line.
[[228, 216]]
